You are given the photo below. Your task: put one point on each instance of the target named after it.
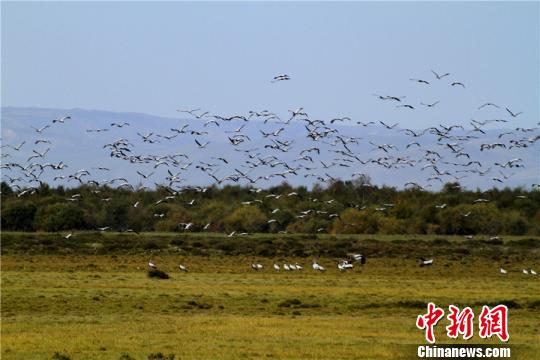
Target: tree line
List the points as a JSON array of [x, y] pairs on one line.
[[341, 207]]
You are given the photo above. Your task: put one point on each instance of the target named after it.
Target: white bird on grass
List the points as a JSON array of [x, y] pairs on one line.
[[426, 262], [360, 258], [344, 265], [286, 267]]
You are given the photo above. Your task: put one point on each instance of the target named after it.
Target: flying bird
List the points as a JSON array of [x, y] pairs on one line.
[[512, 113], [420, 81], [438, 76]]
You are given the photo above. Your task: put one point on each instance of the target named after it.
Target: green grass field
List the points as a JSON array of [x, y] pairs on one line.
[[104, 306]]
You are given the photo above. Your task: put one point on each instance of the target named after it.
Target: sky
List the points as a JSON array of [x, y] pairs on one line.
[[154, 57]]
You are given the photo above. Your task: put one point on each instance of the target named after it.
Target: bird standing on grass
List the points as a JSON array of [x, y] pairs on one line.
[[318, 267], [426, 262]]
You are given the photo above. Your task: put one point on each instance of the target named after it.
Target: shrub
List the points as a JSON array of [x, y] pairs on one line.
[[204, 306], [19, 216], [412, 304], [150, 245], [353, 221], [58, 217], [125, 356], [290, 303], [156, 273], [246, 218], [160, 356], [59, 356]]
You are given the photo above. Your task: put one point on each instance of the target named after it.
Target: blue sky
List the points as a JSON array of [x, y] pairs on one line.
[[156, 57]]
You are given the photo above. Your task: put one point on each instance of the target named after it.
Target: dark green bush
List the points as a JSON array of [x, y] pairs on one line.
[[126, 356], [156, 273], [161, 356], [19, 216], [59, 356]]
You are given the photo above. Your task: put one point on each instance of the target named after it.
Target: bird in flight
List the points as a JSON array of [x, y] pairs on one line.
[[512, 113], [406, 106], [420, 81], [430, 105], [281, 78], [489, 104], [61, 119], [40, 129], [438, 76]]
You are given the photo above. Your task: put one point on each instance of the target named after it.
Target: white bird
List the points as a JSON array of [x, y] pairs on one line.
[[424, 262], [318, 267], [503, 271], [256, 266], [360, 258], [532, 272], [61, 120], [68, 236], [187, 226], [40, 129], [152, 264], [183, 268], [18, 147], [344, 265], [276, 267], [298, 267], [525, 271], [286, 267]]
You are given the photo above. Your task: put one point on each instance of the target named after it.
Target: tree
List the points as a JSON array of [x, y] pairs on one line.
[[60, 216], [353, 221], [246, 218], [19, 216]]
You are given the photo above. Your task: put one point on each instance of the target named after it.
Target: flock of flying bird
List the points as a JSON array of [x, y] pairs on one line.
[[269, 152]]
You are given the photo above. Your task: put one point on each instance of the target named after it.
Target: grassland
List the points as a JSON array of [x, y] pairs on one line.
[[90, 304]]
